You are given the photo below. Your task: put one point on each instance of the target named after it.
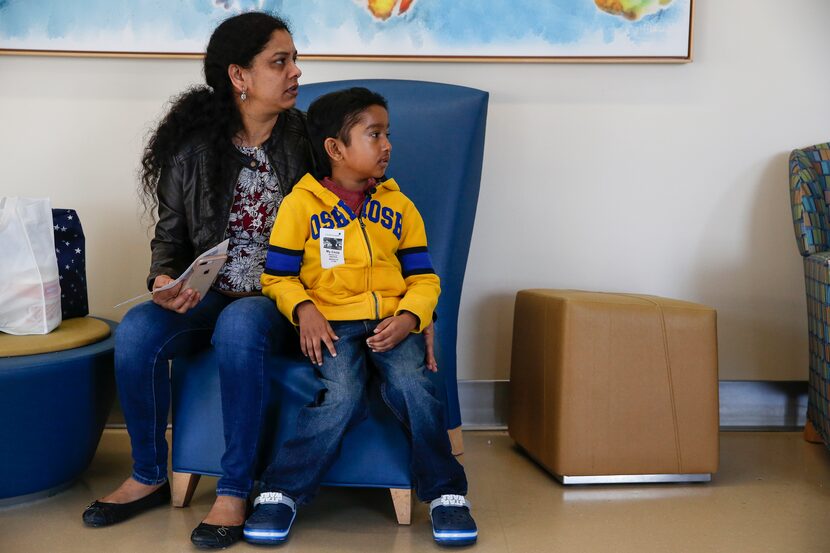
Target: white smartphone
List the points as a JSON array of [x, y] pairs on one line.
[[205, 271]]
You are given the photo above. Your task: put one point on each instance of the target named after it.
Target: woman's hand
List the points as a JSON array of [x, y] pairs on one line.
[[174, 299], [429, 340], [391, 331], [314, 328]]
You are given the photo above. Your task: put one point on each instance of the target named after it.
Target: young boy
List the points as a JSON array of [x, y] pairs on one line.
[[348, 263]]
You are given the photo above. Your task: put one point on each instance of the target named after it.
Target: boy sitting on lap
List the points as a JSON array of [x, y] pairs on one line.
[[348, 263]]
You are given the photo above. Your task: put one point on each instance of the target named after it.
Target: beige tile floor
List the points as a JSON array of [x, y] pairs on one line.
[[772, 494]]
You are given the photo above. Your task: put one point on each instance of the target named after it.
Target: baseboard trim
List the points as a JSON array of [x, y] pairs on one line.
[[484, 404], [773, 405], [763, 404], [744, 404]]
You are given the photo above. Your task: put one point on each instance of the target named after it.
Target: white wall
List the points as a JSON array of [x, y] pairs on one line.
[[660, 179]]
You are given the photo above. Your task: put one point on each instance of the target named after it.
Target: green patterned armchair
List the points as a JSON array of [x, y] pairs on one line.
[[810, 196]]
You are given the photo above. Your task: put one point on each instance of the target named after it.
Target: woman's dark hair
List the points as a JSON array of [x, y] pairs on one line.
[[208, 110], [333, 115]]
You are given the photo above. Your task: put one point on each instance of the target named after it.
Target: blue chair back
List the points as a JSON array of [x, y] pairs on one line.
[[437, 152], [438, 142]]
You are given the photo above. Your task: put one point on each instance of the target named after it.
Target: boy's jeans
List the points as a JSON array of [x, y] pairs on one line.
[[244, 332], [302, 462]]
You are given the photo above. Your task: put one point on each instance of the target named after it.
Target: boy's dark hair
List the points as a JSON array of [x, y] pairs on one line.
[[333, 115]]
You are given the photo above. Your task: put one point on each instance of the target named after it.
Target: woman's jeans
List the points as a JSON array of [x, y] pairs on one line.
[[244, 332], [302, 462]]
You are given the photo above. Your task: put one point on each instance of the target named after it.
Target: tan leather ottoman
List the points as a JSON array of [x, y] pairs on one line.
[[615, 388]]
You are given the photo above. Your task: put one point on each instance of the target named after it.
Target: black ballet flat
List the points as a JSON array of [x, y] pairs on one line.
[[105, 514], [210, 536]]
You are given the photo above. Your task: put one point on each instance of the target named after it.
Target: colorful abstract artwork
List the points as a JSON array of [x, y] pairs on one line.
[[532, 30]]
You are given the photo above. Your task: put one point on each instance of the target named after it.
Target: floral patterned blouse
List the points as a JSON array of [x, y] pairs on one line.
[[256, 200]]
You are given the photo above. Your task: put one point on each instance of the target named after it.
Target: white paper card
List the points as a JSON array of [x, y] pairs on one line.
[[331, 247]]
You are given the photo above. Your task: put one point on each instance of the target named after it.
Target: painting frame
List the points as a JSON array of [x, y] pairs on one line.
[[541, 59]]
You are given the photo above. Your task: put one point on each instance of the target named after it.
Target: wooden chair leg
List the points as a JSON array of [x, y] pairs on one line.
[[457, 442], [402, 499], [811, 434], [182, 488]]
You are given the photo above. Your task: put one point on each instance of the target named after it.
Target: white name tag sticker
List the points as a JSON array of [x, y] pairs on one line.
[[331, 247]]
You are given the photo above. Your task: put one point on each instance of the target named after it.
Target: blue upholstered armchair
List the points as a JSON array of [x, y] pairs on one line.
[[438, 149], [810, 195]]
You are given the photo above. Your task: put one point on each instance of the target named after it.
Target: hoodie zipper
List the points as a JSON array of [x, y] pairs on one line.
[[371, 263]]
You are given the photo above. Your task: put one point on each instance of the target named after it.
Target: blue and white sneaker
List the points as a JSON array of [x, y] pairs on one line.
[[271, 520], [452, 523]]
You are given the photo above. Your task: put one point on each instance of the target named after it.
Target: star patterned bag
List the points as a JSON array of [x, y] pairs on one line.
[[70, 248], [30, 293]]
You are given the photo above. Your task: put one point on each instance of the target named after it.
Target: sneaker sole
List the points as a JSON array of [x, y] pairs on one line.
[[455, 538], [265, 537], [268, 536]]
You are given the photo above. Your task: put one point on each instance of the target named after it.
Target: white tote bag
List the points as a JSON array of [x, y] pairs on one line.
[[30, 291]]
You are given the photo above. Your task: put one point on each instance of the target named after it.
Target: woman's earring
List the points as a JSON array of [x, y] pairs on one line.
[[244, 95]]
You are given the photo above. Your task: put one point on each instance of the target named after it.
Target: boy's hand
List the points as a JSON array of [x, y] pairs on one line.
[[429, 340], [391, 331], [174, 299], [314, 328]]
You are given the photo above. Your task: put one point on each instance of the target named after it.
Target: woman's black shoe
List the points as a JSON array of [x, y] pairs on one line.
[[104, 514], [210, 536]]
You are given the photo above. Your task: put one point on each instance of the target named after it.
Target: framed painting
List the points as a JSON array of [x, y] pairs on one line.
[[419, 30]]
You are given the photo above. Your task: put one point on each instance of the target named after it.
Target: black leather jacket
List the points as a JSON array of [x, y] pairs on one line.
[[193, 213]]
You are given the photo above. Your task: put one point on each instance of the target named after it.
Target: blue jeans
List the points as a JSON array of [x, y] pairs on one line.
[[302, 462], [244, 331]]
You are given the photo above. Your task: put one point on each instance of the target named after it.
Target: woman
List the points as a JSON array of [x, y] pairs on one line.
[[216, 167]]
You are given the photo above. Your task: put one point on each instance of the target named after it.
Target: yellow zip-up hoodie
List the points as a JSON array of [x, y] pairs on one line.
[[369, 265]]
